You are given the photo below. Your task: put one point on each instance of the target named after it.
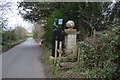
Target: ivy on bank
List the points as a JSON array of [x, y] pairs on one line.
[[101, 59]]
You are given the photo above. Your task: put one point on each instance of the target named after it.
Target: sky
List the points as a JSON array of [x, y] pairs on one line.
[[10, 13]]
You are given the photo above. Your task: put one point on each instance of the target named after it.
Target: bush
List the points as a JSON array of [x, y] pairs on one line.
[[11, 44], [101, 59]]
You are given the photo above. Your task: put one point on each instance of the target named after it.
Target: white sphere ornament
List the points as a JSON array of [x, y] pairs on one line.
[[70, 24]]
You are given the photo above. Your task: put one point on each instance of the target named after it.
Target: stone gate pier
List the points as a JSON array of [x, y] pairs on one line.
[[70, 38]]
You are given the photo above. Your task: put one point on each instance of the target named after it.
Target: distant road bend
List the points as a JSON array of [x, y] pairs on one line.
[[23, 61]]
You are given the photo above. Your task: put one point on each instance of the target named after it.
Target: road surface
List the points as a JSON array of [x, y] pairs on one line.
[[23, 61]]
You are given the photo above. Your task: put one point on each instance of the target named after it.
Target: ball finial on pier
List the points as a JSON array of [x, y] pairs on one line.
[[70, 24]]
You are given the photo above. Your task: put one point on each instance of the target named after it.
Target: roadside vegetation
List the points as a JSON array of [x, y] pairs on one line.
[[97, 60], [13, 37], [99, 52], [29, 34]]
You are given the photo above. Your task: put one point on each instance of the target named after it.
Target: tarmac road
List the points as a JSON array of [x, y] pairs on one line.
[[23, 61]]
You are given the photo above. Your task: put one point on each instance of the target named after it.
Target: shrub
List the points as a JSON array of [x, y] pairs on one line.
[[101, 59]]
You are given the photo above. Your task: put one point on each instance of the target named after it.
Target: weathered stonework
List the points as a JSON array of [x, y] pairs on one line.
[[70, 40]]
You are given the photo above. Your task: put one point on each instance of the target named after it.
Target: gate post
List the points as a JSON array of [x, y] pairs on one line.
[[56, 45], [70, 39]]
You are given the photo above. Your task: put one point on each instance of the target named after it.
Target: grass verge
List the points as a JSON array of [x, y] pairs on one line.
[[12, 44]]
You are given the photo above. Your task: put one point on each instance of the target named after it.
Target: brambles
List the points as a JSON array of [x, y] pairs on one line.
[[100, 59]]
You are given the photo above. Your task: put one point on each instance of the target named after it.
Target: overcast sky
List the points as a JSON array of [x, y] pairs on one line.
[[10, 13]]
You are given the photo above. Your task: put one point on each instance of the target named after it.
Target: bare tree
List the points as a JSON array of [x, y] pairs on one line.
[[21, 32], [38, 29]]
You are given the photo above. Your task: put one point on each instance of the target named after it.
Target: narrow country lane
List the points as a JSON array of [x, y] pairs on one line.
[[23, 61]]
